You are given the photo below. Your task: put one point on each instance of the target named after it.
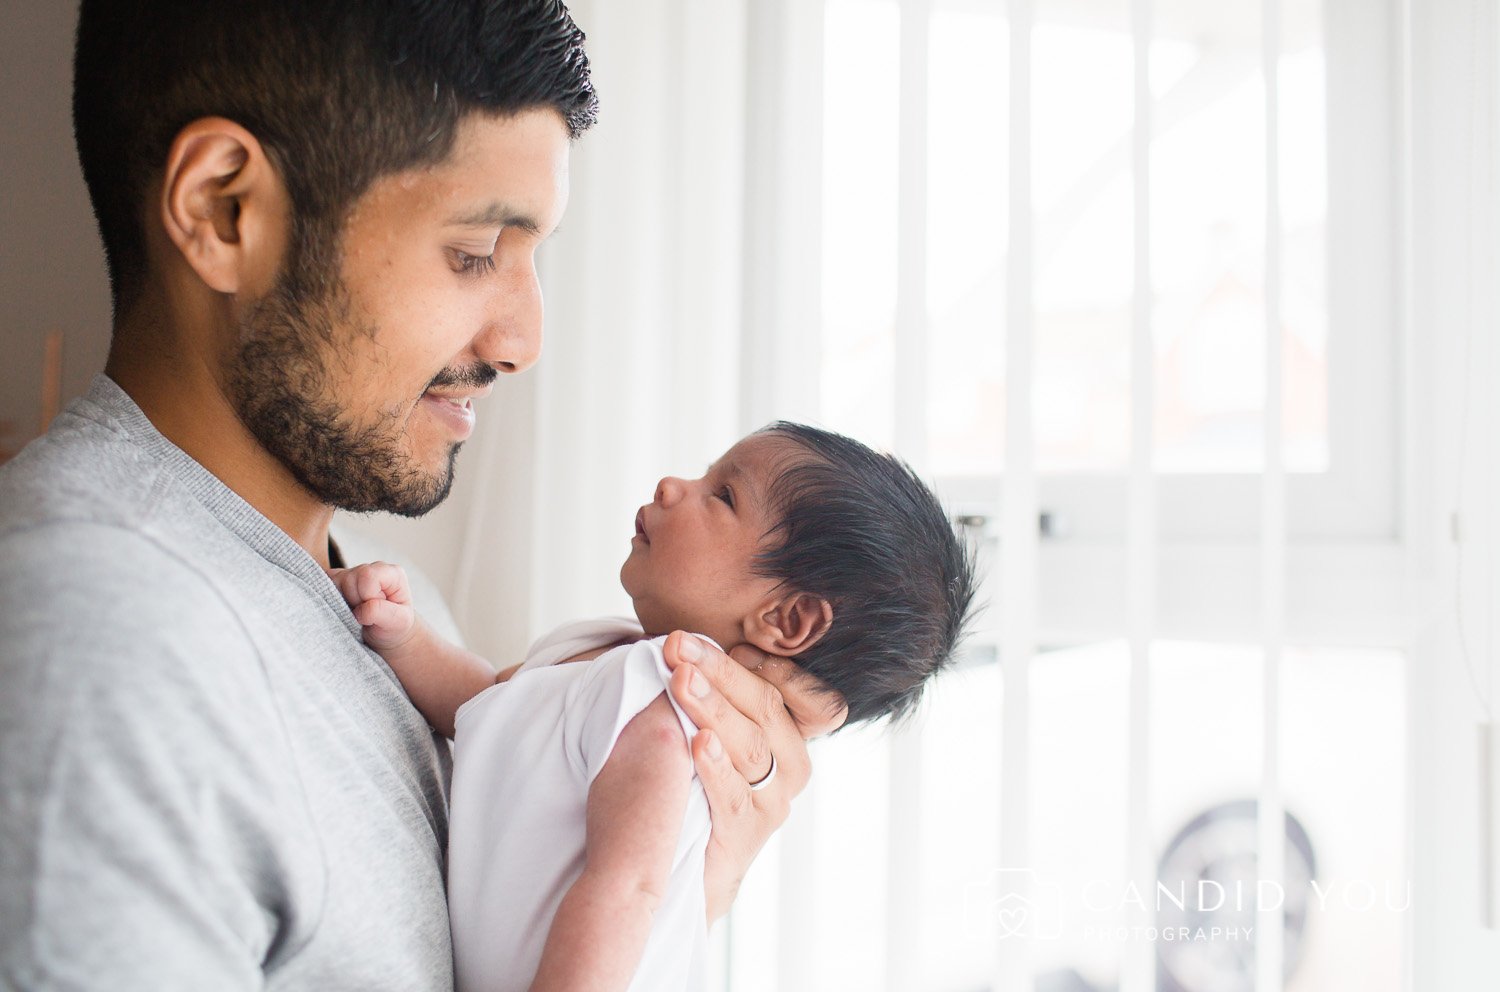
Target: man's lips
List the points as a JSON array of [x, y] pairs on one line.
[[454, 408], [457, 396]]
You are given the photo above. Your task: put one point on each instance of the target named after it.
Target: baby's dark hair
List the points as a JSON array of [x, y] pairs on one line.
[[860, 529]]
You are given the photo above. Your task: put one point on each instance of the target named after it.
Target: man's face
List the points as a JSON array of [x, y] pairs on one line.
[[362, 384], [691, 559]]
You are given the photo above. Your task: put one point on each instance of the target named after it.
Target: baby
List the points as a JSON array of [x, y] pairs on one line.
[[569, 778]]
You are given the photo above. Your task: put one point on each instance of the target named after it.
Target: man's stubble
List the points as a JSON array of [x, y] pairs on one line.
[[281, 387]]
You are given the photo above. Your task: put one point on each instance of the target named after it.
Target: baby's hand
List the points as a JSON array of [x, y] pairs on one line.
[[382, 602]]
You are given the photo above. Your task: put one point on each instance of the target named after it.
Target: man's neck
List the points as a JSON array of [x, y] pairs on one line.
[[184, 401]]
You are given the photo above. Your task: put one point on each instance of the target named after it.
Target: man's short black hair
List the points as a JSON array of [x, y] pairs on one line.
[[338, 92], [860, 529]]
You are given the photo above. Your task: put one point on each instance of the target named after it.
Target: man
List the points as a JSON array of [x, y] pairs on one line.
[[320, 220]]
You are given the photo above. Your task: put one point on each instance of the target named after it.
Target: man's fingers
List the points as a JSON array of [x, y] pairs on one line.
[[728, 795], [748, 656], [815, 709], [742, 738], [741, 716], [745, 691], [746, 712], [726, 790]]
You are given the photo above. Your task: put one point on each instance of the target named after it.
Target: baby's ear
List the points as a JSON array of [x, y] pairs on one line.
[[789, 623]]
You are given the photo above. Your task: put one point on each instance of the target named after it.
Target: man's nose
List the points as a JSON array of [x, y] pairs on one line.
[[511, 339], [668, 491]]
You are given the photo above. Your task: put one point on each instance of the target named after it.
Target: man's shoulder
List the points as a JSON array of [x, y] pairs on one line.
[[88, 506], [82, 470], [107, 591], [79, 517]]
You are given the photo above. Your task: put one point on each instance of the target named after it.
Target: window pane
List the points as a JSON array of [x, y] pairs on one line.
[[860, 130], [1208, 201], [968, 186], [1082, 196], [851, 802], [1080, 736], [1205, 774], [961, 753], [1208, 188], [1304, 220], [1343, 746], [1342, 757]]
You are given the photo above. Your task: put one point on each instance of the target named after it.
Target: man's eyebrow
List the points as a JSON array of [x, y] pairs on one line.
[[496, 215]]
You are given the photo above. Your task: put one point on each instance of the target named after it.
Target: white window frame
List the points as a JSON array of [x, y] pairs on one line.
[[1345, 554], [1356, 499]]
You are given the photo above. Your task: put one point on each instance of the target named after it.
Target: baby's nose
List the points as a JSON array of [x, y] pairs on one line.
[[668, 491]]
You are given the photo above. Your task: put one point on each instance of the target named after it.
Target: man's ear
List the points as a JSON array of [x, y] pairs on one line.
[[789, 623], [224, 206]]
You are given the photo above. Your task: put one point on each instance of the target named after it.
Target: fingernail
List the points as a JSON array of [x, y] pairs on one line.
[[715, 749], [698, 685], [688, 649]]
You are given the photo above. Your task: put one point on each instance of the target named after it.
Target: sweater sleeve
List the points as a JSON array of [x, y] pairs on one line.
[[151, 832]]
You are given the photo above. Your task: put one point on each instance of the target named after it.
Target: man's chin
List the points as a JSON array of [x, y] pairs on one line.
[[413, 493], [420, 498]]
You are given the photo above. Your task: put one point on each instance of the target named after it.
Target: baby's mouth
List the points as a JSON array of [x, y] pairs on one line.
[[640, 525]]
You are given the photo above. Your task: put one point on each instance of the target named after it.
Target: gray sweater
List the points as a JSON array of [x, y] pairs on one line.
[[206, 781]]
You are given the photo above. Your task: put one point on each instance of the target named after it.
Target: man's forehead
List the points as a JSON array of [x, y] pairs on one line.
[[508, 171]]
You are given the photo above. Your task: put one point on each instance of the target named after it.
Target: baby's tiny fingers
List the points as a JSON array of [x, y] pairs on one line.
[[388, 621], [368, 583], [368, 612], [343, 581]]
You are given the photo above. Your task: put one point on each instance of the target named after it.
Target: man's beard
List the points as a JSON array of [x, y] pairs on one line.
[[280, 388]]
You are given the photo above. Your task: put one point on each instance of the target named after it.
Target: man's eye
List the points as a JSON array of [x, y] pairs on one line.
[[474, 265], [727, 496]]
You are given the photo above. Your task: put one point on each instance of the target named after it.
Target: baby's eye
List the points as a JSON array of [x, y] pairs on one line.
[[727, 495]]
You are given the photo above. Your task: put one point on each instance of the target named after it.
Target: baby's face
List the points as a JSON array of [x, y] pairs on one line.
[[691, 556]]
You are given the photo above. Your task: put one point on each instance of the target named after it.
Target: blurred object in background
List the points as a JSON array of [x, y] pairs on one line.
[[12, 440]]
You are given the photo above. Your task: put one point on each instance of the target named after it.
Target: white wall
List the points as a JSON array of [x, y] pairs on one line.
[[51, 263]]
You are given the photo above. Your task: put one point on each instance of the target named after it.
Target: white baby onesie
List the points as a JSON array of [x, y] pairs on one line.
[[525, 753]]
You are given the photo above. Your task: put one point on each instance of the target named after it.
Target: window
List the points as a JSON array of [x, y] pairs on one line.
[[1206, 219], [922, 176]]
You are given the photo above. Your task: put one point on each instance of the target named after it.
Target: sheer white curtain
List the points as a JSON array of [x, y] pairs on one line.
[[1261, 626], [640, 373]]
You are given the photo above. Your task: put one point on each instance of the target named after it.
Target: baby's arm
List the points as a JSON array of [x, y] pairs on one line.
[[438, 676], [635, 810]]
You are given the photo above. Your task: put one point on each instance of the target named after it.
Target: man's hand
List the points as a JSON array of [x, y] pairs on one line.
[[745, 716]]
